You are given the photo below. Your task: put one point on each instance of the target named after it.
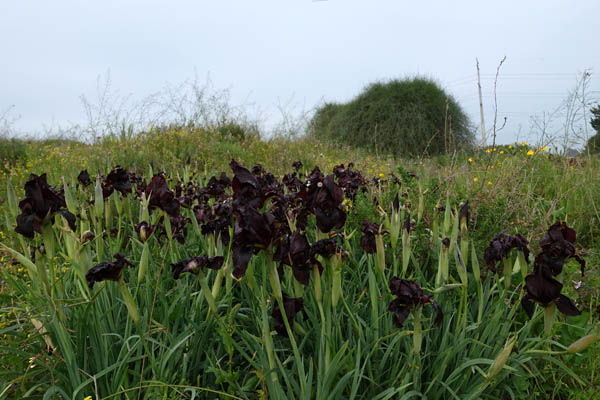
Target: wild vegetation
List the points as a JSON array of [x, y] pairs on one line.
[[409, 117], [212, 265], [593, 143]]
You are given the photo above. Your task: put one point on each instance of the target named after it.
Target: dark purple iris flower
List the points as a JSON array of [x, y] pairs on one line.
[[557, 246], [107, 270], [185, 194], [178, 227], [325, 198], [269, 186], [292, 182], [215, 220], [215, 188], [410, 296], [160, 196], [84, 178], [544, 289], [541, 287], [194, 264], [203, 212], [117, 179], [40, 204], [294, 250], [252, 232], [501, 245], [325, 248], [246, 188], [330, 218], [144, 230], [350, 180], [367, 240]]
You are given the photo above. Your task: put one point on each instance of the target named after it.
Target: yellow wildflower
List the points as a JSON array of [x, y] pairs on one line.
[[475, 179], [470, 159], [381, 175], [510, 146], [530, 153], [524, 144], [494, 149], [489, 182], [544, 148], [487, 150], [88, 398], [501, 151]]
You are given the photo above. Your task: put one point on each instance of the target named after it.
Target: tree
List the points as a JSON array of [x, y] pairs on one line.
[[595, 120], [404, 117], [593, 144]]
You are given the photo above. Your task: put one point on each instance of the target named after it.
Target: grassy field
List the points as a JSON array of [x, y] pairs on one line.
[[208, 334]]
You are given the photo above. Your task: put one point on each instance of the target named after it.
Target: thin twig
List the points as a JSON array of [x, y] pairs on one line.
[[496, 102]]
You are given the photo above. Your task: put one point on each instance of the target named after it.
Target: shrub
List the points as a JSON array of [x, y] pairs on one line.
[[593, 144], [237, 131], [404, 117]]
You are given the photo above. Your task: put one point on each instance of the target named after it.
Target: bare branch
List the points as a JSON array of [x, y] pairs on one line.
[[496, 102]]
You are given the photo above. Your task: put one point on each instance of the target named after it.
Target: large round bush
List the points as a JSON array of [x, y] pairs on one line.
[[405, 117]]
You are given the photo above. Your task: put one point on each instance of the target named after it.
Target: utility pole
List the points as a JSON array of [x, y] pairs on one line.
[[483, 133]]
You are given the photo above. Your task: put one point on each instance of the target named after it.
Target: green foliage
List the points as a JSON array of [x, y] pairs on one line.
[[236, 131], [181, 350], [402, 117], [12, 151], [593, 144], [595, 120], [319, 125]]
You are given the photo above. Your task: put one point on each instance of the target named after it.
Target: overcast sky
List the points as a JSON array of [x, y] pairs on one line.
[[268, 52]]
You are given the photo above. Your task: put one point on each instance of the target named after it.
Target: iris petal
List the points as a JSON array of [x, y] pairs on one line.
[[25, 225], [528, 306], [400, 315], [241, 256], [541, 288], [566, 306]]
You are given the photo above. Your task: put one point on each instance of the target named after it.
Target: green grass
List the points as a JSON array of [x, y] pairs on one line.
[[12, 152], [353, 350]]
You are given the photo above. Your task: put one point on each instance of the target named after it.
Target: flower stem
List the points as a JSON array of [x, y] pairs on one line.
[[267, 338], [549, 314], [276, 287], [508, 267], [417, 332], [380, 254], [406, 249], [336, 279], [373, 299]]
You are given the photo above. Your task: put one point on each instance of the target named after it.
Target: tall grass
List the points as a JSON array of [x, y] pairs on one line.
[[86, 343]]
